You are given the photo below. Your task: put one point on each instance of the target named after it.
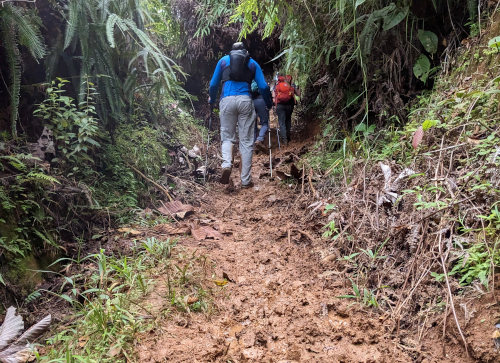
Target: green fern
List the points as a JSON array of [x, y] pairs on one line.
[[41, 177], [32, 297], [110, 49], [18, 26]]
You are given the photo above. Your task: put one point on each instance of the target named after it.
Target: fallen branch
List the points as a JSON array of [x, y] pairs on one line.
[[311, 185], [161, 188], [303, 177], [450, 295]]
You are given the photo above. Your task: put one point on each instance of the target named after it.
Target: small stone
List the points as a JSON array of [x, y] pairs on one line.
[[252, 354], [248, 340], [358, 340], [280, 309], [293, 354]]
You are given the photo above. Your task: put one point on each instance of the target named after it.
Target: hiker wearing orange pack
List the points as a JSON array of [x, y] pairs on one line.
[[284, 100]]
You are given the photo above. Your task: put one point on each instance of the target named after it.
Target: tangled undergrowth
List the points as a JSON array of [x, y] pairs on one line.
[[75, 182], [414, 216]]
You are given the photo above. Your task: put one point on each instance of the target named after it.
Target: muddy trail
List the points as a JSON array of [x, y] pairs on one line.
[[281, 301]]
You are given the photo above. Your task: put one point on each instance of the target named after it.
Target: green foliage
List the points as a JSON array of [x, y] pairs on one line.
[[422, 68], [478, 261], [209, 14], [109, 42], [331, 231], [427, 124], [429, 40], [144, 148], [24, 224], [111, 306], [19, 26], [367, 297], [494, 43], [247, 10], [476, 264], [75, 129]]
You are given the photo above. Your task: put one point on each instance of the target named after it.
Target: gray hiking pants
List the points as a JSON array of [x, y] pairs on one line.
[[237, 110]]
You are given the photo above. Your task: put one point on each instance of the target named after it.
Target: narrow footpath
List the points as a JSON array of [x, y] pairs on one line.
[[279, 304]]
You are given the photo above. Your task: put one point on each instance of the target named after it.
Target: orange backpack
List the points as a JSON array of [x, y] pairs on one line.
[[284, 90]]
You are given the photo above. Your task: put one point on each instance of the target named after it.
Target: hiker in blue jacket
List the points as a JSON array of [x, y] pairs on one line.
[[237, 71]]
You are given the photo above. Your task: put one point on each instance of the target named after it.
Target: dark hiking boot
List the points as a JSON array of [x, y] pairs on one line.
[[226, 174], [249, 185]]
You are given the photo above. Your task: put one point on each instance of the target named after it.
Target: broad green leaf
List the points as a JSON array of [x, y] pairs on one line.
[[395, 17], [422, 68], [429, 40], [494, 42], [358, 3], [361, 127]]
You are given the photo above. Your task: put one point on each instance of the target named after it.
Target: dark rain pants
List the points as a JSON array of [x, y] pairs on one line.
[[285, 120]]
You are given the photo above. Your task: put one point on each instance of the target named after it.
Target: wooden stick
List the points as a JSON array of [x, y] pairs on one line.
[[311, 184], [444, 327], [161, 188], [303, 177], [450, 295]]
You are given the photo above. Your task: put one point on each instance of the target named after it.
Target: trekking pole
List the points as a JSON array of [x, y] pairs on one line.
[[270, 154], [208, 144], [278, 137], [277, 127]]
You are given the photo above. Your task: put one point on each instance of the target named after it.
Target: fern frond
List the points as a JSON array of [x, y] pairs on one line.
[[74, 13], [110, 27], [19, 27], [28, 28], [33, 296], [41, 177], [9, 40]]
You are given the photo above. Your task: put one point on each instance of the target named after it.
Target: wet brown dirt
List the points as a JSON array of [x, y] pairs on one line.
[[279, 305]]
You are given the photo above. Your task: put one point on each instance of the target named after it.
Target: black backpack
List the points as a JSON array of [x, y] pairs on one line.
[[238, 69]]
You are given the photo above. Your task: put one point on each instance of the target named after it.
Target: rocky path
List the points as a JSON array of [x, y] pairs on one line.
[[279, 305]]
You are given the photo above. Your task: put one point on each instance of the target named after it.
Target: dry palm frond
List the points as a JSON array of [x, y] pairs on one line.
[[14, 350]]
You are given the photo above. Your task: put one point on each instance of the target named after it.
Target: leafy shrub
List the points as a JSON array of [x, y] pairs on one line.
[[75, 128], [24, 222]]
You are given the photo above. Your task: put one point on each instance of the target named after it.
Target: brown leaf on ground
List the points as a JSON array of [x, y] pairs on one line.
[[114, 351], [176, 208], [133, 232], [82, 341], [204, 232]]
